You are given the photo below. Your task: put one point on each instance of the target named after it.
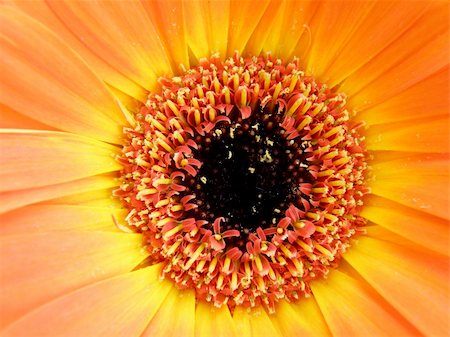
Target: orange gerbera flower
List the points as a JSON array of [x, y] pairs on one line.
[[224, 168]]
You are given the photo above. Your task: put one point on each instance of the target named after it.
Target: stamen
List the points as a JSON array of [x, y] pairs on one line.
[[245, 178]]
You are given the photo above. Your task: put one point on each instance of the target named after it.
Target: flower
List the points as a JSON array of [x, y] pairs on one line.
[[75, 73]]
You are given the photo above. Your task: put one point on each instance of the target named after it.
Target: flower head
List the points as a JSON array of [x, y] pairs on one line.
[[224, 168], [245, 178]]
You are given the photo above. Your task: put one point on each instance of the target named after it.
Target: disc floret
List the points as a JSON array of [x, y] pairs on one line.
[[279, 118]]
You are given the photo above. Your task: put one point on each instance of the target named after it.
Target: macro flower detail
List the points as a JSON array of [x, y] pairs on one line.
[[245, 178], [224, 168]]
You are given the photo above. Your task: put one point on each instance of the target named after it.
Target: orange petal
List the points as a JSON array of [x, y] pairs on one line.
[[378, 157], [15, 199], [418, 181], [385, 156], [283, 30], [11, 119], [38, 158], [430, 196], [119, 306], [255, 322], [124, 37], [55, 87], [175, 317], [423, 135], [49, 218], [343, 20], [219, 16], [268, 29], [37, 268], [302, 318], [352, 308], [103, 64], [414, 281], [127, 102], [375, 231], [356, 32], [95, 198], [424, 229], [212, 321], [412, 103], [245, 16], [168, 19], [198, 29], [207, 27], [241, 322], [415, 55], [414, 165]]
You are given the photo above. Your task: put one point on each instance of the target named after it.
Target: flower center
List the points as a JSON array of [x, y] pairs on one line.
[[250, 173], [245, 178]]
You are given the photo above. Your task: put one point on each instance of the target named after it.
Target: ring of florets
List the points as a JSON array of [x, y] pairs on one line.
[[309, 235]]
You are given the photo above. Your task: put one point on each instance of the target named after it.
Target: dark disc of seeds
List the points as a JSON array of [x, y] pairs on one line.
[[250, 174]]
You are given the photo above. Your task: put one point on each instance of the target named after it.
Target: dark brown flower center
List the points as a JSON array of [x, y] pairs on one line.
[[250, 173]]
